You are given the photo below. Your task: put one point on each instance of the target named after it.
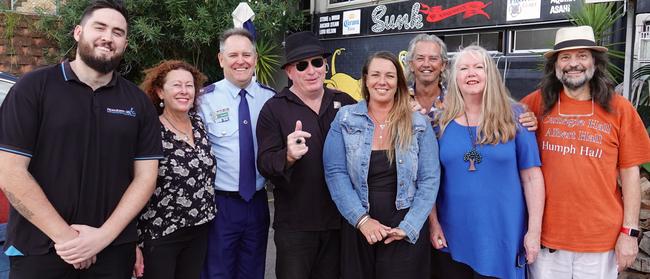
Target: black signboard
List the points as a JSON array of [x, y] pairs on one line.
[[425, 15]]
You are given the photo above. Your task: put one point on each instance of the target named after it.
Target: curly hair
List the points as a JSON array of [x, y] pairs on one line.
[[601, 86], [155, 79]]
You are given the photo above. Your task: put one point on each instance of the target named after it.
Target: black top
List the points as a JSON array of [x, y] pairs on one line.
[[302, 200], [82, 144], [382, 175], [184, 194], [382, 190]]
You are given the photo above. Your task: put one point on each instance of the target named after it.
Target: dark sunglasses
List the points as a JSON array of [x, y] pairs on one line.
[[316, 63]]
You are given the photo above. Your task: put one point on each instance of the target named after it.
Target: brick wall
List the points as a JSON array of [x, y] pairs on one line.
[[27, 50]]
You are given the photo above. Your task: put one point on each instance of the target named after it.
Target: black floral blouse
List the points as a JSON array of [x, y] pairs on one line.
[[184, 194]]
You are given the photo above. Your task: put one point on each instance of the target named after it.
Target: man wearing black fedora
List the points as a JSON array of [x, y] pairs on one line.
[[291, 131], [588, 136]]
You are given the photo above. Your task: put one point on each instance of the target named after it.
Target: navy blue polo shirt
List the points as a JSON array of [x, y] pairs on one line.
[[82, 144]]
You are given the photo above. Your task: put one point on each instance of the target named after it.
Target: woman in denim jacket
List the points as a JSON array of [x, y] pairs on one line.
[[382, 170]]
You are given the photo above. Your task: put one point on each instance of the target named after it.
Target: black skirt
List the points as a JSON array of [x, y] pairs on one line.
[[399, 259]]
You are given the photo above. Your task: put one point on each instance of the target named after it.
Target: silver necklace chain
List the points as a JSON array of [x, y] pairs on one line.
[[187, 137], [381, 125]]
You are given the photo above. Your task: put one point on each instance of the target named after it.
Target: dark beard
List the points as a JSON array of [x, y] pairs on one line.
[[98, 64]]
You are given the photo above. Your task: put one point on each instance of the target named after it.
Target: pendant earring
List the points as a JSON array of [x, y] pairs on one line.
[[162, 104]]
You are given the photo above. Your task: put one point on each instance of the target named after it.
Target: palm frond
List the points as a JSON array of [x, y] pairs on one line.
[[267, 61]]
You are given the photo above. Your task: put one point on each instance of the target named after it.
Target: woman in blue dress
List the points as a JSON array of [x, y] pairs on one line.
[[491, 199]]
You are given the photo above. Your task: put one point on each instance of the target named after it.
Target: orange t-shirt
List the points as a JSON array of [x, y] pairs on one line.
[[581, 156]]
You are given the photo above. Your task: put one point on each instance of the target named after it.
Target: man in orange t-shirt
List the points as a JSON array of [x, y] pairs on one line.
[[588, 136]]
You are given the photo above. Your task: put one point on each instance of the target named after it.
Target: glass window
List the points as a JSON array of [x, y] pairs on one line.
[[304, 4], [488, 40], [453, 42], [533, 40], [644, 44]]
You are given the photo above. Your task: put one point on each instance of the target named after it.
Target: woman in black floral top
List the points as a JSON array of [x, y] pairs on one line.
[[173, 227]]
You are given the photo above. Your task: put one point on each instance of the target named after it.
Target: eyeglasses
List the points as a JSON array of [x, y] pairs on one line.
[[316, 63], [559, 110]]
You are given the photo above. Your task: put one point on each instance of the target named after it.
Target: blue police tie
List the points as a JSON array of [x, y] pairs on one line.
[[247, 173]]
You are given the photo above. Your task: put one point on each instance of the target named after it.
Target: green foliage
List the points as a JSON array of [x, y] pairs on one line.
[[640, 94], [182, 29], [602, 17], [267, 61], [10, 21]]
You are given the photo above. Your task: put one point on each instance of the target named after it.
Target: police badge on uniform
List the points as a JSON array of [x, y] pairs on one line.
[[221, 115]]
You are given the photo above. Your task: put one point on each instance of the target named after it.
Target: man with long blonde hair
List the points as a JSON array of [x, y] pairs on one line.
[[588, 137], [427, 72]]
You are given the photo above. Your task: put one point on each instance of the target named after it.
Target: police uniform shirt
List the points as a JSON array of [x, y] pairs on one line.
[[219, 109]]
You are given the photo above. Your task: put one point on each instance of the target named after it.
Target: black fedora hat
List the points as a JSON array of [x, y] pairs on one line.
[[301, 45]]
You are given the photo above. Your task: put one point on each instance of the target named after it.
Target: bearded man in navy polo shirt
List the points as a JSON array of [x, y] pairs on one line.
[[79, 152]]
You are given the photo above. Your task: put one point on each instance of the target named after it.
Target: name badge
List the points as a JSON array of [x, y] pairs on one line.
[[221, 115]]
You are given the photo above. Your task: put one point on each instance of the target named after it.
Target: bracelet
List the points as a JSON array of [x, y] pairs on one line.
[[362, 220]]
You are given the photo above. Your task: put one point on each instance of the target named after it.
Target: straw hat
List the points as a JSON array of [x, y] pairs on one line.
[[574, 38]]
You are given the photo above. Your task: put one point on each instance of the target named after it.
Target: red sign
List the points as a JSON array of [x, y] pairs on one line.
[[470, 9]]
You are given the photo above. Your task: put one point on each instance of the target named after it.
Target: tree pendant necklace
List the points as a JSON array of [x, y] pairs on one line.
[[472, 156]]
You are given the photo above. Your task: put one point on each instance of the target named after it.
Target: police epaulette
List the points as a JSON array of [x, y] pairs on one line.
[[208, 89], [266, 87]]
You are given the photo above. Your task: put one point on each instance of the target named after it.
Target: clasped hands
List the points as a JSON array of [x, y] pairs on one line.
[[81, 245], [376, 232]]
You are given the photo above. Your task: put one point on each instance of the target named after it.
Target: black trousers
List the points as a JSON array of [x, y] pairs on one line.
[[307, 254], [114, 262], [179, 255], [444, 267]]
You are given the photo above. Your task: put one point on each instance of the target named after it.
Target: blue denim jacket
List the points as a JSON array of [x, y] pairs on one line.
[[418, 168]]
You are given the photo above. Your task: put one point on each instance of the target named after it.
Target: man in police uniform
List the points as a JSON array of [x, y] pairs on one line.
[[229, 108], [79, 154]]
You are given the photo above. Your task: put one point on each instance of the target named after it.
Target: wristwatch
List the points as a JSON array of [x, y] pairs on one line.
[[631, 231]]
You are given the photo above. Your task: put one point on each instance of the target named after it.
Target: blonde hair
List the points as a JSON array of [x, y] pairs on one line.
[[497, 122], [400, 129]]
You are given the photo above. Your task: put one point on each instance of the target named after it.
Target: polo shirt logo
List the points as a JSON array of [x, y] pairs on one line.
[[130, 112]]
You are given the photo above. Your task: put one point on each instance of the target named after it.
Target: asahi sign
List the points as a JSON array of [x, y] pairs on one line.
[[427, 15]]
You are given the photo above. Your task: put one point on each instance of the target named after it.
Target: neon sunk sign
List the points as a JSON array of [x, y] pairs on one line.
[[384, 21], [392, 22]]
